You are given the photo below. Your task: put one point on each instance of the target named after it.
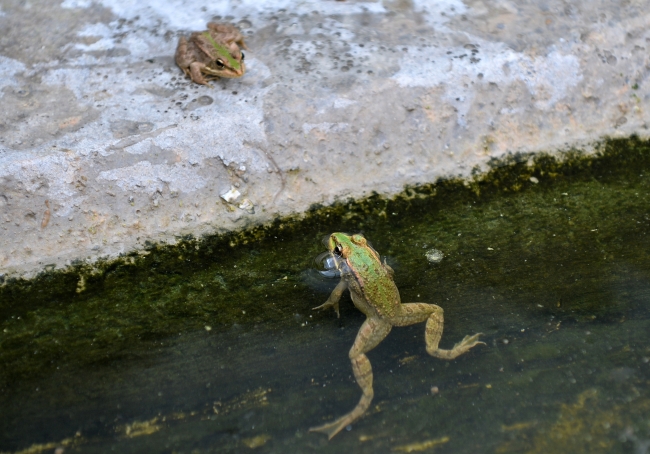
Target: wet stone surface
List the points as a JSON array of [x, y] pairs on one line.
[[340, 99]]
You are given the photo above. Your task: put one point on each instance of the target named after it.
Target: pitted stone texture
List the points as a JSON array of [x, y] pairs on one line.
[[340, 99]]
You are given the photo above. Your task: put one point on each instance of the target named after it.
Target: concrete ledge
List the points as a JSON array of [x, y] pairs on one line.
[[104, 144]]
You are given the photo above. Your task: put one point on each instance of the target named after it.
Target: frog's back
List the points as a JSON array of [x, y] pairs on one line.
[[375, 283]]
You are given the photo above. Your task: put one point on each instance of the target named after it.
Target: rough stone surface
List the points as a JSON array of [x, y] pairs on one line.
[[105, 144]]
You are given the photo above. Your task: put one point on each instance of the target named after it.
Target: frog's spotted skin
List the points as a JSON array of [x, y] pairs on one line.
[[374, 293], [213, 53]]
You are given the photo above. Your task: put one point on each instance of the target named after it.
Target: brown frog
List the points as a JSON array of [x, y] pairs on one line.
[[213, 53], [373, 292]]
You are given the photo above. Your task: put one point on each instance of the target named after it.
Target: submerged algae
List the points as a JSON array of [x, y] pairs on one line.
[[535, 254]]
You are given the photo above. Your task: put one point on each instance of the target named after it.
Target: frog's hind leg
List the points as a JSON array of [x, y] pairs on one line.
[[372, 332], [410, 313]]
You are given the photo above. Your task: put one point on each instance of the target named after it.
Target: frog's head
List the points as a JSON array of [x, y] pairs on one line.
[[339, 245], [228, 62], [342, 245], [351, 252]]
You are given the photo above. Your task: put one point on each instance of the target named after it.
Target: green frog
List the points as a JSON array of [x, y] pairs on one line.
[[373, 292], [213, 53]]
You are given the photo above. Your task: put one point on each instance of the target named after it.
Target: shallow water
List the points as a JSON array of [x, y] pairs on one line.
[[212, 348]]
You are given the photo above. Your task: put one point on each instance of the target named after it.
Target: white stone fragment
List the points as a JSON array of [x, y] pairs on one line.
[[247, 205], [232, 195]]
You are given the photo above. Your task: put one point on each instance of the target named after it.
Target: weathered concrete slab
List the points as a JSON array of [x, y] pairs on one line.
[[104, 144]]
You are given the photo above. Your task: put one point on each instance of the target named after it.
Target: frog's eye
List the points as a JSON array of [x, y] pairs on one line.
[[242, 55], [219, 64], [337, 250]]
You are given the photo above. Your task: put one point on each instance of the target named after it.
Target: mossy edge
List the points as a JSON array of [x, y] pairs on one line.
[[512, 173]]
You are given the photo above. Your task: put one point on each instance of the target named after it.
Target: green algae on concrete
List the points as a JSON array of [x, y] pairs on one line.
[[537, 253]]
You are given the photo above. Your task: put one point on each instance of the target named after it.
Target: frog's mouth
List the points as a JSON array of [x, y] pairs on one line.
[[330, 263]]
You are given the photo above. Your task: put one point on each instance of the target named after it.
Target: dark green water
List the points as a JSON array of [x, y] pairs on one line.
[[209, 347]]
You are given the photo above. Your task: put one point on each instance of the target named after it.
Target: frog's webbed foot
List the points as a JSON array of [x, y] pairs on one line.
[[468, 342], [328, 304], [461, 347], [331, 428]]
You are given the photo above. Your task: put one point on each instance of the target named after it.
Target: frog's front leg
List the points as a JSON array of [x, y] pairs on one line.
[[333, 300], [372, 332], [410, 313], [195, 73]]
